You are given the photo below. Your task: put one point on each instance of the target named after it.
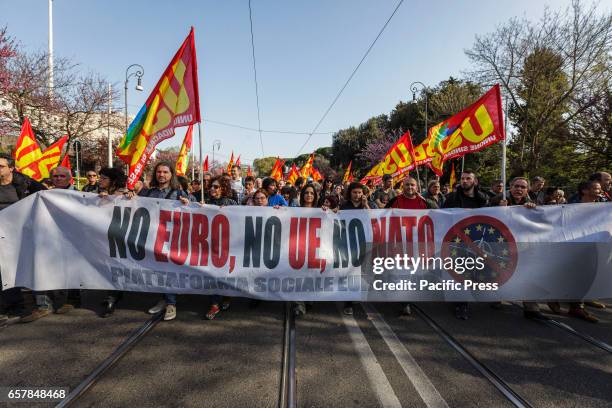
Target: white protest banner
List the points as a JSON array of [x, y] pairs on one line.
[[70, 240]]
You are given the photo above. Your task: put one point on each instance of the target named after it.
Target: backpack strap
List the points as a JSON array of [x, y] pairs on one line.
[[170, 194]]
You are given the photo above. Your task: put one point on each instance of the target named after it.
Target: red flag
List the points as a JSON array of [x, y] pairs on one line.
[[174, 102], [238, 161], [249, 172], [277, 170], [399, 159], [27, 152], [306, 170], [183, 158], [293, 174], [231, 163], [66, 162], [51, 157], [474, 128], [347, 174], [205, 165]]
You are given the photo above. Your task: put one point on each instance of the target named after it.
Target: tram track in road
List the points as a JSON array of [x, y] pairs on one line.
[[288, 382], [112, 359], [571, 330], [502, 386]]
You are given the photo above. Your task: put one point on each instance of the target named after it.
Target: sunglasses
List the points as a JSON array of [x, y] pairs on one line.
[[215, 186]]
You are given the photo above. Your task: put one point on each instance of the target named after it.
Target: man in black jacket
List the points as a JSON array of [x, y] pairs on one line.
[[467, 195], [14, 186]]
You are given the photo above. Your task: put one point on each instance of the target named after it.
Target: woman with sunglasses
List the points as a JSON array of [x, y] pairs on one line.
[[327, 188], [308, 199], [92, 185], [220, 193]]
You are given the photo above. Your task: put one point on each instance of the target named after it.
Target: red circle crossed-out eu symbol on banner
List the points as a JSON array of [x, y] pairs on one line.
[[486, 237]]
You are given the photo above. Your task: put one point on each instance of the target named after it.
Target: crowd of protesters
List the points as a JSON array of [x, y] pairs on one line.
[[233, 189]]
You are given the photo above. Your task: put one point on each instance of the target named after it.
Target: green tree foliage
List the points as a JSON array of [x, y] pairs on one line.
[[347, 143], [263, 166], [556, 74]]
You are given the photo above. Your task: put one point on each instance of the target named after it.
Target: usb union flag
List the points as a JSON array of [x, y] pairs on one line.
[[173, 103]]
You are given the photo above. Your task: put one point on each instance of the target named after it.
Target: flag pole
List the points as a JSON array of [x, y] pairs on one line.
[[192, 163], [503, 162], [200, 148]]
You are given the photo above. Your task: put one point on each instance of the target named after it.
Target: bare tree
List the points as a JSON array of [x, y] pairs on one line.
[[78, 106], [578, 41]]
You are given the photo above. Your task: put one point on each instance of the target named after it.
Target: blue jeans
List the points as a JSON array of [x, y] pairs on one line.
[[170, 298]]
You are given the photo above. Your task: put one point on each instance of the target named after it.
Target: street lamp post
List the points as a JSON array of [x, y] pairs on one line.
[[416, 87], [138, 73], [217, 144], [108, 131], [77, 149]]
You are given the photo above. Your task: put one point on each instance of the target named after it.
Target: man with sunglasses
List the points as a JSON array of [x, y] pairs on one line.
[[92, 183]]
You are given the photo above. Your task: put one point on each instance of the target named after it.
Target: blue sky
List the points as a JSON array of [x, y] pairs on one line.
[[305, 51]]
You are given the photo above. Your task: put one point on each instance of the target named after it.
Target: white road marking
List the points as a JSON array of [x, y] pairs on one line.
[[429, 394], [376, 376]]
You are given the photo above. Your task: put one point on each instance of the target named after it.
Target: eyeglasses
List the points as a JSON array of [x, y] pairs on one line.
[[215, 186]]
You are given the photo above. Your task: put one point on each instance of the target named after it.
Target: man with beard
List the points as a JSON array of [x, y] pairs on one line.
[[387, 188], [467, 195], [164, 185], [605, 182]]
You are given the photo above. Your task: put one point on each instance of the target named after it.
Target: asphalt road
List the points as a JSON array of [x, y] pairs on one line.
[[374, 358]]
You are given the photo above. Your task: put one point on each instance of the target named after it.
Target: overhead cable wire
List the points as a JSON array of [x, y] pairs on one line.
[[350, 77], [256, 84], [291, 132]]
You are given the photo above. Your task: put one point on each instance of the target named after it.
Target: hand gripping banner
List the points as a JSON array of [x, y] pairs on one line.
[[70, 240]]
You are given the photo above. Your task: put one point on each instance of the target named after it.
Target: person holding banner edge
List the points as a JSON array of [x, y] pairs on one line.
[[519, 195], [14, 186]]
